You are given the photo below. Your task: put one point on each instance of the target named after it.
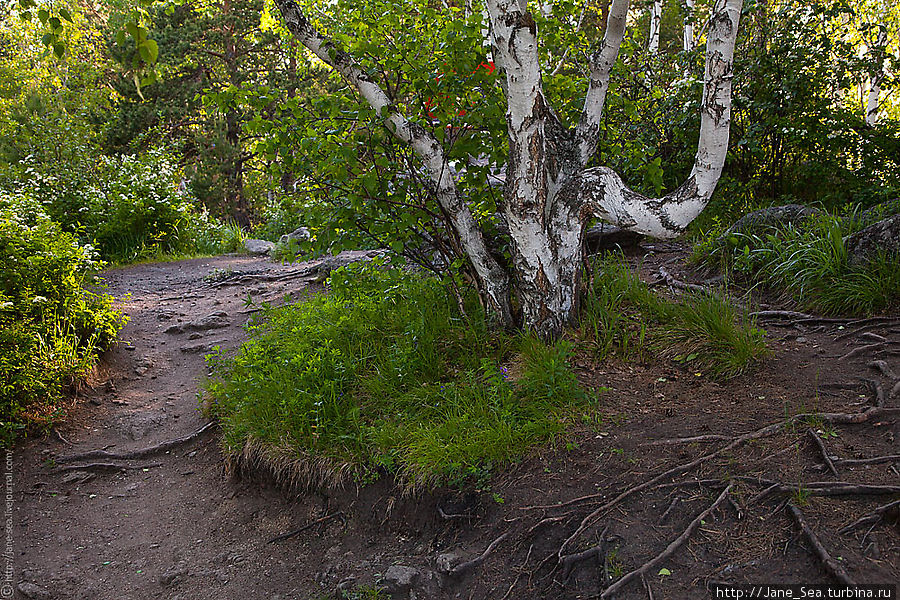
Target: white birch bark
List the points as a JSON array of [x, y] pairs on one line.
[[608, 196], [688, 37], [587, 134], [655, 20], [493, 278], [873, 100]]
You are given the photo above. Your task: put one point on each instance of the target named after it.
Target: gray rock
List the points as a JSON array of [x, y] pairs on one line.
[[398, 578], [172, 577], [216, 320], [31, 590], [446, 561], [137, 425], [174, 329], [301, 234], [254, 246], [882, 236]]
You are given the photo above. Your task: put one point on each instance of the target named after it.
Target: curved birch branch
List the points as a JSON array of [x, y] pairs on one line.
[[602, 191], [493, 278]]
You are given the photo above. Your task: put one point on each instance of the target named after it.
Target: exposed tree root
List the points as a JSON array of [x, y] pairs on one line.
[[690, 440], [162, 447], [833, 418], [827, 488], [823, 451], [862, 350], [681, 285], [109, 467], [310, 525], [669, 551], [471, 564], [831, 565], [569, 561], [877, 460], [875, 517]]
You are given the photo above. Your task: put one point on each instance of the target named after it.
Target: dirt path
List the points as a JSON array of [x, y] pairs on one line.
[[174, 526]]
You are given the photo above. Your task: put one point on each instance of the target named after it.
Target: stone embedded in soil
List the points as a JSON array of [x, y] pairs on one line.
[[446, 561], [398, 578], [216, 320], [33, 591], [137, 425], [172, 577], [254, 246]]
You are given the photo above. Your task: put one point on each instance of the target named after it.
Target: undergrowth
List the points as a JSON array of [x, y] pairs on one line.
[[809, 264], [384, 374], [53, 319], [622, 316]]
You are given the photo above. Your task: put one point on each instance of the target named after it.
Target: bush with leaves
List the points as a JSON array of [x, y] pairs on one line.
[[53, 317]]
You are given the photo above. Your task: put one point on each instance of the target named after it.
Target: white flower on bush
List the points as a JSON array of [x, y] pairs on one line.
[[39, 299], [6, 305]]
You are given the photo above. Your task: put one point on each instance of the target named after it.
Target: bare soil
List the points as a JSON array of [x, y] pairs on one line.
[[174, 525]]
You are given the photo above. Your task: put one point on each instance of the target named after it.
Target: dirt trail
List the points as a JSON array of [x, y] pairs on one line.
[[174, 526]]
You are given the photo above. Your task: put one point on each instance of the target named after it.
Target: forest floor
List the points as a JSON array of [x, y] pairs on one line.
[[173, 525]]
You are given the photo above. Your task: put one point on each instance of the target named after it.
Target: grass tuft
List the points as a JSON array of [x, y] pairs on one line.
[[809, 265], [623, 316]]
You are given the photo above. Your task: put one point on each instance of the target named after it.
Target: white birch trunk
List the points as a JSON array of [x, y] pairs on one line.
[[873, 100], [688, 37], [655, 20]]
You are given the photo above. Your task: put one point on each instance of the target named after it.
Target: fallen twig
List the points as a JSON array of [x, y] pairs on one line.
[[310, 525], [670, 549], [873, 517], [162, 447], [823, 451], [831, 565], [471, 564]]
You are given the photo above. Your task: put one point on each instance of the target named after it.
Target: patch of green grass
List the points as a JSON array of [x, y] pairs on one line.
[[809, 264], [385, 375], [623, 316]]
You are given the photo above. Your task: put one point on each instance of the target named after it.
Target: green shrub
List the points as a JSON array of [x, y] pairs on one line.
[[623, 316], [384, 374], [52, 319], [808, 264]]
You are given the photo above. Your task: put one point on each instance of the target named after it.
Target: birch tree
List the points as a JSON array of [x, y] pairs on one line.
[[553, 191]]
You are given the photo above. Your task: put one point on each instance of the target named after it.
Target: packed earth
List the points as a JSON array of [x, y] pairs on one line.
[[785, 475]]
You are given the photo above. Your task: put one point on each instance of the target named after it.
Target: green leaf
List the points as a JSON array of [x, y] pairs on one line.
[[59, 49], [664, 571], [43, 14], [65, 14], [149, 51]]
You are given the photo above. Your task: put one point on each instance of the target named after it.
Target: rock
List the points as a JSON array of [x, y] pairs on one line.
[[301, 234], [882, 236], [196, 348], [775, 216], [136, 425], [254, 246], [77, 477], [174, 329], [172, 577], [31, 590], [446, 561], [400, 579], [143, 365], [216, 320], [195, 336]]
